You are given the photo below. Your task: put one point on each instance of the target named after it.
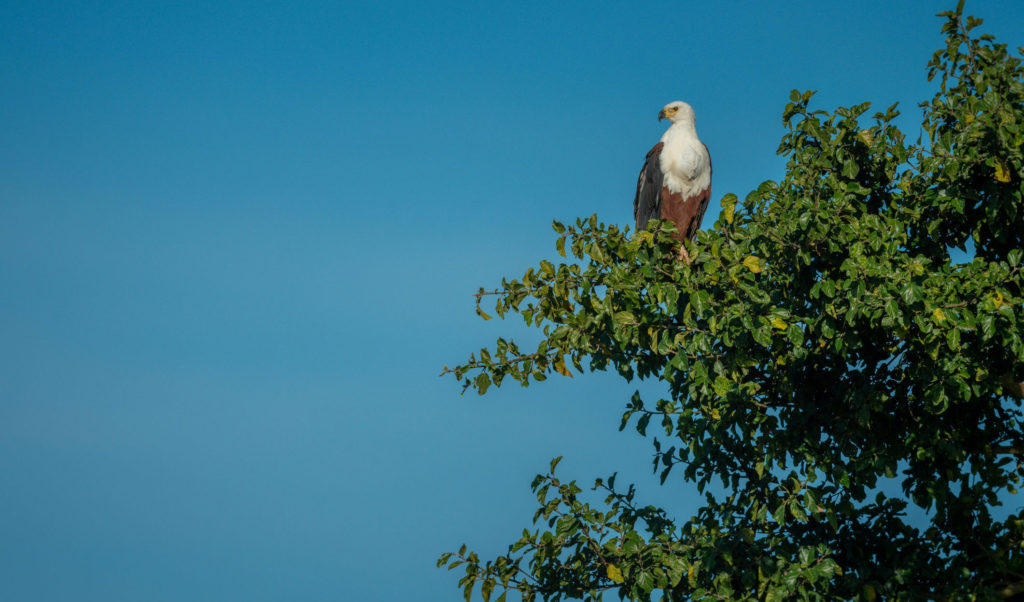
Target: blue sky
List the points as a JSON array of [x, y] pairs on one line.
[[238, 242]]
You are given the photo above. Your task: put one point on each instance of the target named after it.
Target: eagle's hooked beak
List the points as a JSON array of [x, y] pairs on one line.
[[661, 114]]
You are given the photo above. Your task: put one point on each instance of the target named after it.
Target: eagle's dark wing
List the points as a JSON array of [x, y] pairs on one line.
[[647, 204]]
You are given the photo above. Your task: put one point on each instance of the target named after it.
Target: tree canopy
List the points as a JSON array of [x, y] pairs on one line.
[[827, 337]]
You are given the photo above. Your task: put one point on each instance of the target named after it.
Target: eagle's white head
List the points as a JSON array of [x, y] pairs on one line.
[[678, 112]]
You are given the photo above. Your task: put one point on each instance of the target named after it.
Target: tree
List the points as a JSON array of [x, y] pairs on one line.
[[825, 338]]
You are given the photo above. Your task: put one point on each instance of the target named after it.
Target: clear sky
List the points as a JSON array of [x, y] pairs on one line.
[[238, 242]]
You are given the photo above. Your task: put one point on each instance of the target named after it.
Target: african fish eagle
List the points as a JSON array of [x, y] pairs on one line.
[[675, 182]]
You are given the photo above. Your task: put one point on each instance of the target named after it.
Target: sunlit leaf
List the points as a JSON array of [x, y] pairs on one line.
[[559, 365], [1002, 173]]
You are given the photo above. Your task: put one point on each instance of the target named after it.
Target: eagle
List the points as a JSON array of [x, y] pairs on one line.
[[675, 182]]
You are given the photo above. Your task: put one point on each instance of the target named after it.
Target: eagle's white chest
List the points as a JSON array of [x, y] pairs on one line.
[[685, 163]]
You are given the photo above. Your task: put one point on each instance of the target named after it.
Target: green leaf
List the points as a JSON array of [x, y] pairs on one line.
[[851, 169], [988, 325], [1014, 257], [645, 581], [722, 386], [700, 301], [675, 569], [482, 382], [795, 334], [623, 318], [641, 424], [953, 339], [566, 526], [911, 293], [779, 514]]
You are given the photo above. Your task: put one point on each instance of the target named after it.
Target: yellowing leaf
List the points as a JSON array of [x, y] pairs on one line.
[[481, 313], [866, 137], [996, 298], [937, 315], [1002, 173], [869, 593], [753, 263], [779, 323], [559, 365], [614, 573], [729, 207], [715, 415]]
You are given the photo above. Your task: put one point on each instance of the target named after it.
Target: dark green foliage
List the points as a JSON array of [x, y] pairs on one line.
[[822, 340]]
